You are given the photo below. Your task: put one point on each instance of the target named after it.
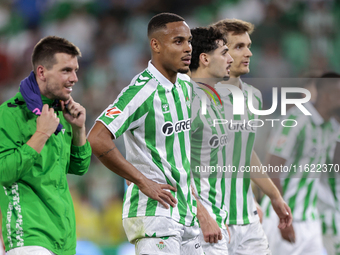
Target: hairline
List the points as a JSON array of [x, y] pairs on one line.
[[163, 28], [53, 61]]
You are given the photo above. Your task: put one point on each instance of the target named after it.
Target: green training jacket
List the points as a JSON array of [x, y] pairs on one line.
[[35, 200]]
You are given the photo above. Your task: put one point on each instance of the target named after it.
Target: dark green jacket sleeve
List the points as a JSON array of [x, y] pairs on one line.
[[16, 157], [80, 159]]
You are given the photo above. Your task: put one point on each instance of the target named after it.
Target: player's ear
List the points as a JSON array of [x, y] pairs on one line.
[[40, 73], [204, 59], [155, 45]]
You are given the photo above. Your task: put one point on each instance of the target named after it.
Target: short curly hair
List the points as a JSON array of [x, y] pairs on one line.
[[204, 40], [160, 20]]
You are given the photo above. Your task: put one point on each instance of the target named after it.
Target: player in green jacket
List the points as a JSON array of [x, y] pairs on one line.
[[42, 138]]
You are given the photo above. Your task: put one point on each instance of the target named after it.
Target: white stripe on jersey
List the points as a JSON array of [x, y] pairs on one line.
[[239, 212]]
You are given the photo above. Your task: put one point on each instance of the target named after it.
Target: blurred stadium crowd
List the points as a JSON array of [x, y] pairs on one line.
[[291, 38]]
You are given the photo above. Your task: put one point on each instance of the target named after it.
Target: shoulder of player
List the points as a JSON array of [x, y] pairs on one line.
[[14, 108], [256, 92], [14, 104], [142, 83], [184, 79], [142, 79]]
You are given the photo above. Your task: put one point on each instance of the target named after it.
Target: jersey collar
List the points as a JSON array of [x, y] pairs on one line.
[[44, 99], [161, 78], [199, 92]]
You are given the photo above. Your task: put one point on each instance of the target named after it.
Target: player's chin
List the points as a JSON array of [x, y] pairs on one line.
[[183, 70], [245, 70], [65, 97]]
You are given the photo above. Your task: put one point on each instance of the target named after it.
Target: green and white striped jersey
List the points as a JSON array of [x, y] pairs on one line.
[[208, 150], [303, 146], [239, 198], [154, 116], [329, 195]]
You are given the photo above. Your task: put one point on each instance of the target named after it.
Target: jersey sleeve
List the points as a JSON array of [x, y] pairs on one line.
[[80, 159], [16, 157], [130, 108], [195, 113]]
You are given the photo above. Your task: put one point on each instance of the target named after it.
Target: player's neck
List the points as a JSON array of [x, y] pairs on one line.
[[200, 75], [167, 73], [203, 77], [235, 80], [42, 87]]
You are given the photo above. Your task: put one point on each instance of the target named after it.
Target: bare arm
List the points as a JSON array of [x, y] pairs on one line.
[[288, 233], [262, 179], [276, 161], [210, 229], [105, 150], [267, 186]]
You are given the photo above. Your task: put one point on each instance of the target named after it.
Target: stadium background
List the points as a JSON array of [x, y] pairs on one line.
[[291, 38]]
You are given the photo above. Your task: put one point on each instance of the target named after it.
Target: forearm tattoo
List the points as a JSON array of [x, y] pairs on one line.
[[107, 152]]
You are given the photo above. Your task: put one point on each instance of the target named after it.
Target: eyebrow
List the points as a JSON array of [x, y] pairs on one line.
[[224, 51], [181, 38], [67, 68], [242, 44]]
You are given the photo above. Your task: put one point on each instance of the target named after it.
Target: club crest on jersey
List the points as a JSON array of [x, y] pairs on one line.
[[113, 112], [160, 245], [165, 108], [210, 121], [169, 128], [187, 102]]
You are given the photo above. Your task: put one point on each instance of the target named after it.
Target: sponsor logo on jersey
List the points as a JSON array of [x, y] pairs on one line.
[[169, 128], [240, 126], [113, 112], [216, 141]]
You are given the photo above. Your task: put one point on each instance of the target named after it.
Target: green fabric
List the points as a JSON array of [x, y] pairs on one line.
[[35, 198]]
